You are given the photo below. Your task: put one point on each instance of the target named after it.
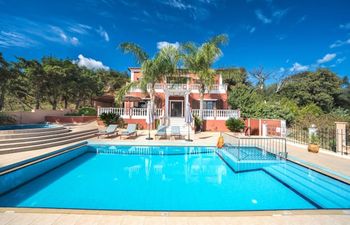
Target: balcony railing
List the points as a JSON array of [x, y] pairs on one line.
[[217, 113], [208, 114], [184, 87]]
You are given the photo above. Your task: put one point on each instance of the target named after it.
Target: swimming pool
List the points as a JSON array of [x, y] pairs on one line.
[[25, 126], [171, 179]]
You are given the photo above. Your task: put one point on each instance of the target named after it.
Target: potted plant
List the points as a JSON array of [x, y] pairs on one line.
[[313, 145]]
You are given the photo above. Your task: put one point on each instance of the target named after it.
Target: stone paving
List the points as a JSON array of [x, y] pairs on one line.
[[338, 164], [14, 218]]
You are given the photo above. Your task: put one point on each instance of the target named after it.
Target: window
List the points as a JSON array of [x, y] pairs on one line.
[[209, 104]]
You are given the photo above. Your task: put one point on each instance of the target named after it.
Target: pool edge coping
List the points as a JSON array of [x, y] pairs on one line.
[[178, 213]]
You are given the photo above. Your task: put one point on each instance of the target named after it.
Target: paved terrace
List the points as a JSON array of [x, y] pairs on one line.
[[322, 161], [114, 218]]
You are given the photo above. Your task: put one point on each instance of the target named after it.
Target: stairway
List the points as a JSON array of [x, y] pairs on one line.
[[36, 139], [320, 189], [180, 122]]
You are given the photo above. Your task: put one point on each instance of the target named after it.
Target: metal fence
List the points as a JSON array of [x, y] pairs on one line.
[[326, 136], [245, 147], [343, 137]]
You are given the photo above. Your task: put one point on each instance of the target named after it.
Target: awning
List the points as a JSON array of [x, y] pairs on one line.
[[129, 98], [104, 98]]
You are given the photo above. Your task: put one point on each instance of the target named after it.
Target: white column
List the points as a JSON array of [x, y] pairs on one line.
[[166, 109], [341, 136]]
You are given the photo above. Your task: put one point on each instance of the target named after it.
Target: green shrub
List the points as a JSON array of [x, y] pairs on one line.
[[235, 125], [110, 118], [197, 124], [88, 111], [314, 139], [72, 114], [6, 119]]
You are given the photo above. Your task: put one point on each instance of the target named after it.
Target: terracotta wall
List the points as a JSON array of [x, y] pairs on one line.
[[273, 126], [141, 123], [70, 119], [36, 116], [215, 125]]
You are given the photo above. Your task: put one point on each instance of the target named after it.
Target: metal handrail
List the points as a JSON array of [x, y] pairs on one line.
[[274, 145]]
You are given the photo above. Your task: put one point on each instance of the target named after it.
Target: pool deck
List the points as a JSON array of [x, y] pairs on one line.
[[80, 217], [329, 163]]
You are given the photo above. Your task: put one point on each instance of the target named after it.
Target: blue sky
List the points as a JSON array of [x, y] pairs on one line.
[[278, 35]]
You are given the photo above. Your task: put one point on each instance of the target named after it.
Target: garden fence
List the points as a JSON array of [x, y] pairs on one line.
[[326, 136]]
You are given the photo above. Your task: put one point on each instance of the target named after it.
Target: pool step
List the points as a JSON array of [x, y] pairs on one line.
[[44, 139], [42, 132], [32, 130], [312, 188], [44, 136], [73, 137], [337, 187]]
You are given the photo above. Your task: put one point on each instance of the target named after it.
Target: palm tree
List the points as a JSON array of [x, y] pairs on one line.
[[200, 59], [154, 70]]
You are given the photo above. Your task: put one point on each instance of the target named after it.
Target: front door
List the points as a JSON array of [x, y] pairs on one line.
[[176, 108]]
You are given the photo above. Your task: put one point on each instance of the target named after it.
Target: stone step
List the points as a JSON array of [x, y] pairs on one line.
[[48, 145], [44, 139], [43, 132], [32, 130], [48, 135]]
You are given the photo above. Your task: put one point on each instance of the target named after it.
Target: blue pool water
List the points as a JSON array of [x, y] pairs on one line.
[[176, 178], [25, 126]]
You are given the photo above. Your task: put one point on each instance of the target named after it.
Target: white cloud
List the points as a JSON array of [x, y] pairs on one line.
[[345, 26], [79, 28], [14, 39], [339, 43], [179, 4], [74, 41], [262, 17], [90, 63], [340, 60], [252, 30], [275, 16], [103, 33], [297, 67], [163, 44], [64, 37], [278, 14], [328, 57]]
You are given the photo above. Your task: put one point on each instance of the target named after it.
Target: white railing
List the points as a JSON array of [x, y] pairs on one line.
[[191, 87], [119, 111], [129, 113], [208, 114], [217, 114]]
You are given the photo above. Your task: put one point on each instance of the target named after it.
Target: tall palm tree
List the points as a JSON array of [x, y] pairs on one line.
[[200, 59], [154, 70]]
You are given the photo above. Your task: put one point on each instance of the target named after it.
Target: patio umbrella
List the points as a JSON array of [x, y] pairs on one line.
[[149, 119], [188, 119]]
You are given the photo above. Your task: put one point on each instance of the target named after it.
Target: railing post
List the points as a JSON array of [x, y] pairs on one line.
[[340, 136], [98, 110]]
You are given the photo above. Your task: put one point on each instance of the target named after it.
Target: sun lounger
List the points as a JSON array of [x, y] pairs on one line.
[[161, 132], [130, 130], [175, 132], [111, 129]]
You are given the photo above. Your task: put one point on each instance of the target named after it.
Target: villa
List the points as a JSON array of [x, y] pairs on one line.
[[171, 100]]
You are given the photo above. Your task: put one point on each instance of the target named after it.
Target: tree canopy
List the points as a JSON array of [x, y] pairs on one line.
[[52, 83]]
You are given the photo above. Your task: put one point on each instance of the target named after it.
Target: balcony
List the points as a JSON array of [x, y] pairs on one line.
[[189, 87], [182, 88], [141, 113]]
